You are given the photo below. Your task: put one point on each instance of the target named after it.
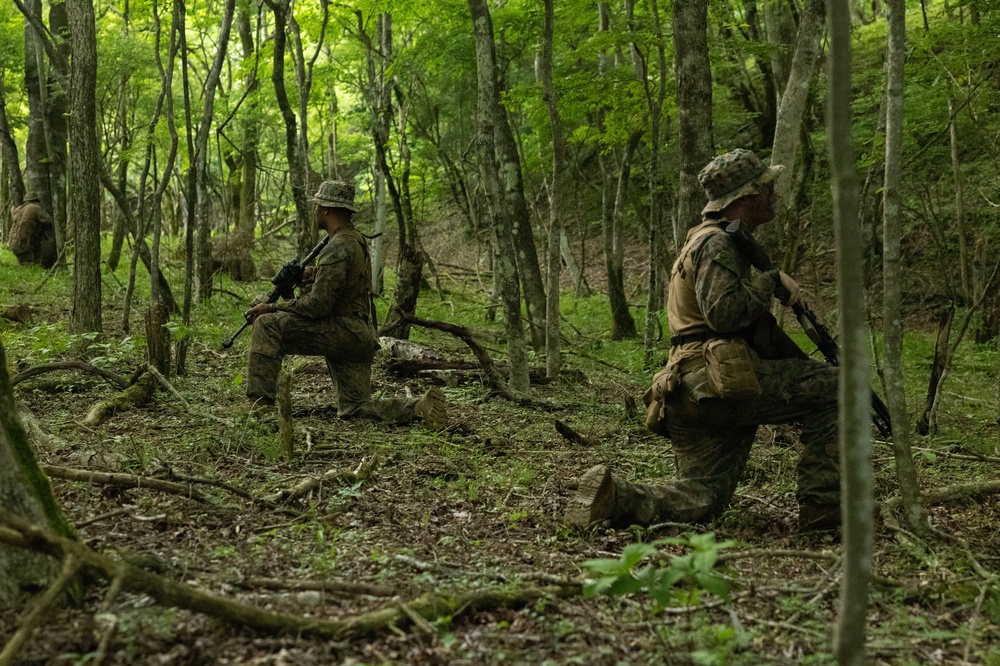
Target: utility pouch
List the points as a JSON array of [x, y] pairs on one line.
[[729, 369], [665, 382]]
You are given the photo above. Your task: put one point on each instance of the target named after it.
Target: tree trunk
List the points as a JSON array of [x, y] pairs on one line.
[[84, 168], [613, 211], [855, 392], [25, 493], [694, 96], [557, 200], [58, 111], [906, 473], [9, 157], [305, 225], [35, 149], [488, 115], [790, 114]]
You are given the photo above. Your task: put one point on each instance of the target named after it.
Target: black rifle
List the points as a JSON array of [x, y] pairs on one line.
[[284, 283], [813, 328]]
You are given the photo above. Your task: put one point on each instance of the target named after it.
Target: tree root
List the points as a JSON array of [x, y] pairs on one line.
[[34, 617], [135, 395], [83, 366], [18, 533], [123, 480]]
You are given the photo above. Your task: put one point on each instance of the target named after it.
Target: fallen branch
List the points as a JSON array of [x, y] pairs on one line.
[[490, 373], [305, 487], [77, 364], [18, 533], [43, 439], [572, 435], [123, 480]]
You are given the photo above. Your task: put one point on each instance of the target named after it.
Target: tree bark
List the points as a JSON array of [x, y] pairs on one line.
[[488, 115], [855, 392], [694, 96], [58, 111], [84, 168], [9, 157], [906, 473], [557, 199], [961, 227], [24, 492]]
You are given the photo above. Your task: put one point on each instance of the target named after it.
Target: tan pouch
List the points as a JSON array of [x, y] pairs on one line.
[[664, 383], [730, 369]]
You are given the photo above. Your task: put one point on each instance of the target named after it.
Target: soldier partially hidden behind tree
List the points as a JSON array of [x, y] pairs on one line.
[[332, 317], [32, 236], [730, 369]]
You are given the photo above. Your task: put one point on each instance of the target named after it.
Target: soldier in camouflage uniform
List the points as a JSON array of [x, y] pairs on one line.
[[332, 318], [32, 236], [713, 295]]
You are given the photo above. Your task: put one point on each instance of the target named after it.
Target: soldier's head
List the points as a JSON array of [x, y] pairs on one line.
[[335, 198], [739, 183]]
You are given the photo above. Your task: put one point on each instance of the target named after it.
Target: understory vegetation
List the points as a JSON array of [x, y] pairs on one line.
[[476, 508]]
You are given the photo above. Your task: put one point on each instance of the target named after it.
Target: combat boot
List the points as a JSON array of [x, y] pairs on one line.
[[432, 409], [594, 500], [815, 517]]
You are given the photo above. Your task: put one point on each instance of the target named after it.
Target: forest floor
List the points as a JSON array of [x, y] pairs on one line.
[[475, 507]]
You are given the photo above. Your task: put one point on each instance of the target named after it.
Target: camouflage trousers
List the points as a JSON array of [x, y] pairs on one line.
[[348, 345], [712, 440]]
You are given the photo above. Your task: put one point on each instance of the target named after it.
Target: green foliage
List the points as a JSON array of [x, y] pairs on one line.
[[683, 577]]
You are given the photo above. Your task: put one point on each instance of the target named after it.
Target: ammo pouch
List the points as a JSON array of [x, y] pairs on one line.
[[729, 369], [665, 382]]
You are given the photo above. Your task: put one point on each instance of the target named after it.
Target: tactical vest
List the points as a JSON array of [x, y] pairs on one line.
[[684, 316]]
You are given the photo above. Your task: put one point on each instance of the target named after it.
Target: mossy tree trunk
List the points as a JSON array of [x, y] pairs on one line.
[[24, 492]]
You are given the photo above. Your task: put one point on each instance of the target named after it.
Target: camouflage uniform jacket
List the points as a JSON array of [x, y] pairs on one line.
[[31, 237], [711, 290], [342, 281]]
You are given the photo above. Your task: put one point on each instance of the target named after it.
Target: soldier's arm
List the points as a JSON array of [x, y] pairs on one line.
[[729, 302], [330, 278]]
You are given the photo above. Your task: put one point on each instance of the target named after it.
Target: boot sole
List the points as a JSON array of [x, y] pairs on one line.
[[594, 499]]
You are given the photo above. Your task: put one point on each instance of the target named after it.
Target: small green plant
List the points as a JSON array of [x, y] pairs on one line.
[[682, 578], [177, 329]]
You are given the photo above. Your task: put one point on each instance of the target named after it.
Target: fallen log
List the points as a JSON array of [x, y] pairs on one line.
[[490, 373], [18, 533], [123, 481]]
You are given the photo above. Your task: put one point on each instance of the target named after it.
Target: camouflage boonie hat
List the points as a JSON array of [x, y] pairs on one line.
[[736, 174], [335, 194]]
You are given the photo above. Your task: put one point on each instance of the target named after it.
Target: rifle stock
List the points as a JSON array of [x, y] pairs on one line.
[[813, 328], [284, 282]]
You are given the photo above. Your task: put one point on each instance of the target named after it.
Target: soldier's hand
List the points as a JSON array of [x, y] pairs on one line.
[[792, 287], [258, 310]]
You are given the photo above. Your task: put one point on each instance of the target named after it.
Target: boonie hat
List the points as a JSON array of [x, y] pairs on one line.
[[335, 194], [736, 174]]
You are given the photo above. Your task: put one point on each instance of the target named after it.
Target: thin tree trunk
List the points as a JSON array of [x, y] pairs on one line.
[[557, 199], [961, 227], [855, 392], [84, 168], [906, 473], [488, 115], [694, 97]]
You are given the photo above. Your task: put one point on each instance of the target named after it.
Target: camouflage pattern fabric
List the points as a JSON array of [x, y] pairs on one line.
[[314, 325], [32, 236], [711, 436]]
